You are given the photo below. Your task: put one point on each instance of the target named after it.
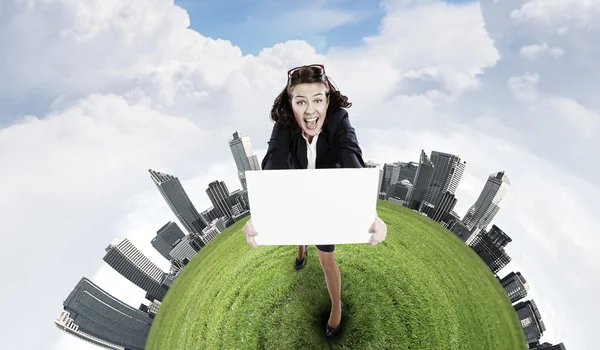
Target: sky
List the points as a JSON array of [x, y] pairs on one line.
[[95, 93]]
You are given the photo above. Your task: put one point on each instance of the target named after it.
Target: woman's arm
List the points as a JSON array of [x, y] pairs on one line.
[[279, 149], [349, 152]]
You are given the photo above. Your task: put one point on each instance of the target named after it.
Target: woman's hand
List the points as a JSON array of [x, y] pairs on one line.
[[378, 230], [249, 233]]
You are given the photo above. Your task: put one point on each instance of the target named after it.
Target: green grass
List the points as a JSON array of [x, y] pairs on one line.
[[422, 288]]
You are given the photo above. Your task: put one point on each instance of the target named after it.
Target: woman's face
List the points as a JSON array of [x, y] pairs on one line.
[[309, 103]]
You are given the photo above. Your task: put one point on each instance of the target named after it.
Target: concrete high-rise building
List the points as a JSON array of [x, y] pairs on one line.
[[421, 183], [143, 308], [396, 172], [93, 315], [241, 149], [183, 251], [153, 308], [490, 248], [408, 171], [444, 207], [459, 229], [127, 260], [487, 205], [399, 190], [210, 214], [531, 321], [447, 173], [166, 238], [219, 197], [179, 202], [240, 197], [497, 237], [515, 285], [450, 219], [381, 194], [390, 176], [427, 209], [209, 233]]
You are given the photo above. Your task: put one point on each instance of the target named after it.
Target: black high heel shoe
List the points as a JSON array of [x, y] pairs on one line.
[[331, 331], [300, 263]]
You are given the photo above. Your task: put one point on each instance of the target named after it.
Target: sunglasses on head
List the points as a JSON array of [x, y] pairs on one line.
[[291, 71]]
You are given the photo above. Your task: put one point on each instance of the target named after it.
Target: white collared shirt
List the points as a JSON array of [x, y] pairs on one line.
[[311, 151]]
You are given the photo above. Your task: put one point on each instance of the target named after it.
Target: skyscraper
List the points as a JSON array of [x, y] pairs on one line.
[[408, 171], [93, 315], [179, 202], [444, 207], [490, 248], [166, 238], [210, 214], [241, 148], [219, 197], [399, 190], [421, 183], [459, 229], [531, 321], [487, 205], [240, 197], [390, 176], [447, 173], [515, 285], [183, 251], [127, 260]]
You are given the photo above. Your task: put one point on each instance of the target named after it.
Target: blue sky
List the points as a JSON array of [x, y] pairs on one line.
[[249, 24]]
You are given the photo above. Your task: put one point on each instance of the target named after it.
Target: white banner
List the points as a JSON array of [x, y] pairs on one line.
[[313, 206]]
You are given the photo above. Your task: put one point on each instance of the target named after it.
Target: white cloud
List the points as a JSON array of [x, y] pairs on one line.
[[582, 12], [445, 34], [580, 118], [524, 87], [114, 88], [532, 52]]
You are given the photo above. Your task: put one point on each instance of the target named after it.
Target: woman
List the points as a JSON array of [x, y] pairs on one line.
[[312, 131]]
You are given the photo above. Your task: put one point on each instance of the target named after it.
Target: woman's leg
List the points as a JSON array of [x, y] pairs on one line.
[[300, 255], [334, 285]]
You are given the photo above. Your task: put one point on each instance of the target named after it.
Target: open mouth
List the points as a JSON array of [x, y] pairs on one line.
[[311, 123]]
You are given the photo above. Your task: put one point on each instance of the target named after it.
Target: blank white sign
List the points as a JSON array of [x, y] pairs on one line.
[[313, 206]]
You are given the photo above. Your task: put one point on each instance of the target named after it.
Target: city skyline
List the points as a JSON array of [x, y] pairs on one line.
[[179, 248]]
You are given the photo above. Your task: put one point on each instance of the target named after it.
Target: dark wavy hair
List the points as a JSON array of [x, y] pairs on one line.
[[282, 110]]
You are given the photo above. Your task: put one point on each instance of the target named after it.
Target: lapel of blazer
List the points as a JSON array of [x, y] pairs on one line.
[[322, 147], [301, 150]]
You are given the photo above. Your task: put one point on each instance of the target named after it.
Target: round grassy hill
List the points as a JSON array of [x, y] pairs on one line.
[[422, 288]]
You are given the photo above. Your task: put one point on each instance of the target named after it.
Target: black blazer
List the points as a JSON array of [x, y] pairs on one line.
[[337, 146]]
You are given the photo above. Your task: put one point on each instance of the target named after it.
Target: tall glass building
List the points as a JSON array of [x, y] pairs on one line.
[[127, 260], [531, 321], [515, 285], [241, 149], [166, 238], [421, 183], [179, 202], [487, 205], [93, 315], [447, 173], [219, 197]]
